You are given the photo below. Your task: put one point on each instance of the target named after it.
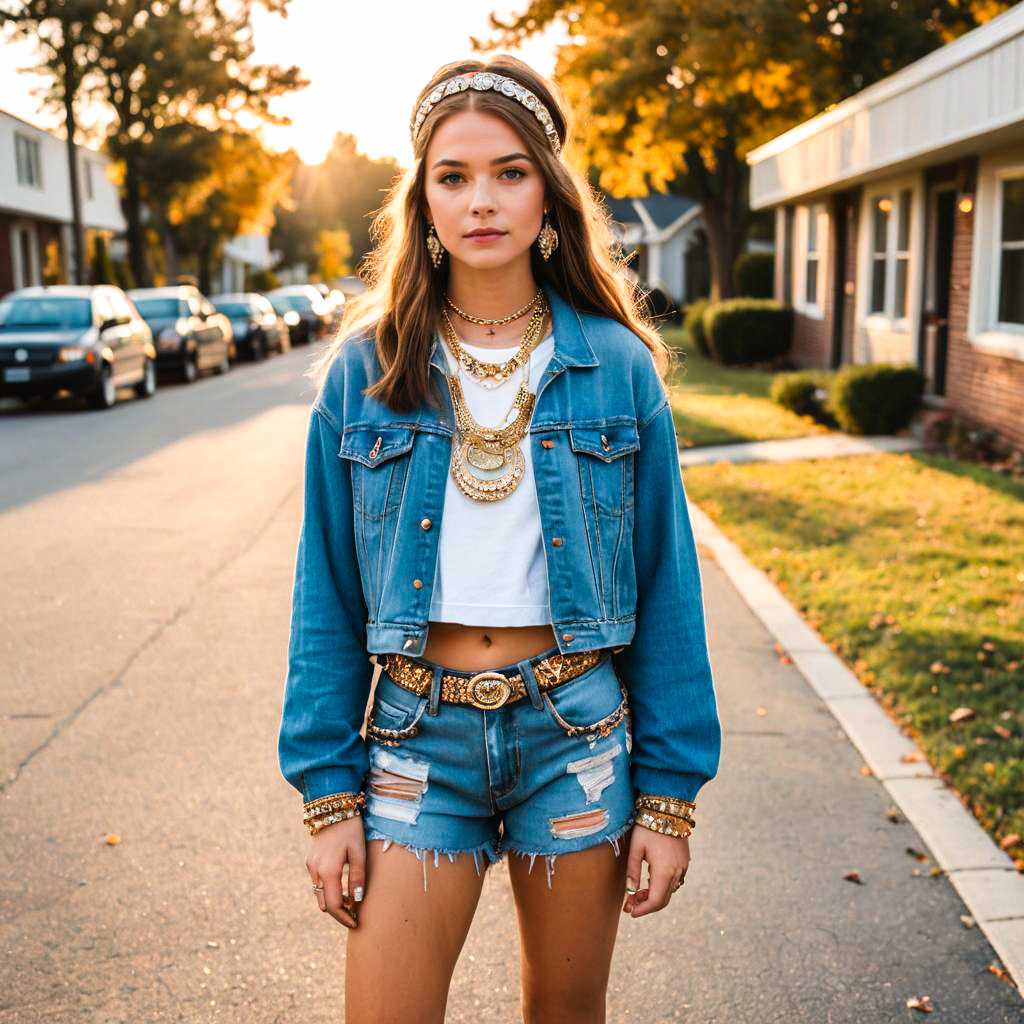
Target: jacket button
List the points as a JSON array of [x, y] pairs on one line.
[[548, 443], [556, 542], [417, 584], [567, 638], [426, 523]]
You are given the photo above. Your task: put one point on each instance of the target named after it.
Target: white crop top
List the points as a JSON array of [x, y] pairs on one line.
[[491, 569]]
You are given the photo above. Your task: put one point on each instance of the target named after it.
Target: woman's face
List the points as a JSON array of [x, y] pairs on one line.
[[478, 174]]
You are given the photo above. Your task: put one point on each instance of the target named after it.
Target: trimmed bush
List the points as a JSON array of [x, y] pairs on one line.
[[692, 321], [876, 398], [754, 275], [798, 392], [748, 330]]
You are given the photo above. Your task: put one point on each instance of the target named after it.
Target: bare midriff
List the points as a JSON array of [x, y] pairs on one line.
[[474, 648]]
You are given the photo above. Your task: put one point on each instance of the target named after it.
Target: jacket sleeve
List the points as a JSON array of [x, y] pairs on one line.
[[320, 748], [666, 669]]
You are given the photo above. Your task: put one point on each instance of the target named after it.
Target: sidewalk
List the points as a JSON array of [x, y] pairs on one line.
[[820, 446]]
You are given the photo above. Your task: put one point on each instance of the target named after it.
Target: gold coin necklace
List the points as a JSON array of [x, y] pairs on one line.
[[491, 448]]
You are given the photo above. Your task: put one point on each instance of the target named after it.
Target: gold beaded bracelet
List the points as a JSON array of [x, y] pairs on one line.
[[666, 815], [326, 810]]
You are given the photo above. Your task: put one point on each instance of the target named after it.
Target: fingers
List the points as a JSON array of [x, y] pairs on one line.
[[665, 869], [333, 900]]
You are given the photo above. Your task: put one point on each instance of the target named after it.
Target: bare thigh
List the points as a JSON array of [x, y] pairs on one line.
[[384, 983], [568, 931]]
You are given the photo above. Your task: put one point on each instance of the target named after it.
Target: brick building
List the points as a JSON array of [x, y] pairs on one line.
[[899, 218], [35, 204]]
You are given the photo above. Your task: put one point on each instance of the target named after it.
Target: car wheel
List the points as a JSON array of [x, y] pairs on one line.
[[146, 387], [190, 367], [104, 394], [259, 349]]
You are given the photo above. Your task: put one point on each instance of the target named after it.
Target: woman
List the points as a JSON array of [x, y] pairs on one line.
[[545, 683]]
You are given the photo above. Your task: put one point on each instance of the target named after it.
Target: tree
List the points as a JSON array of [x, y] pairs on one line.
[[333, 250], [60, 28], [238, 194], [670, 94], [172, 70], [339, 194]]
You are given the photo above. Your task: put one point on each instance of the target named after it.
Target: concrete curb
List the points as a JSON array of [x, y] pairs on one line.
[[983, 875]]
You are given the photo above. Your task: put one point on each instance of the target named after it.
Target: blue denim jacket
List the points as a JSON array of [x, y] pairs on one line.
[[624, 575]]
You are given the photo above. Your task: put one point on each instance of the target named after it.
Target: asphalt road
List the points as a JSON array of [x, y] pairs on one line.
[[146, 571]]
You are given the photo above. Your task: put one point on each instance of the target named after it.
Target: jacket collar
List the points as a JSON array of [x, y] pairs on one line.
[[572, 346]]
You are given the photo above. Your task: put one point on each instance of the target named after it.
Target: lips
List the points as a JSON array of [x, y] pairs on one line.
[[485, 234]]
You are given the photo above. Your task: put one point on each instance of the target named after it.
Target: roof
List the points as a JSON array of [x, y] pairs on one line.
[[660, 210], [954, 101]]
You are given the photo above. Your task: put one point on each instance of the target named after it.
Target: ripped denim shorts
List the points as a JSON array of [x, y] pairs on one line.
[[542, 775]]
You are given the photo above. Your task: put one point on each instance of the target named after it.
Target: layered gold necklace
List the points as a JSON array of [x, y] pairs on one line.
[[476, 446]]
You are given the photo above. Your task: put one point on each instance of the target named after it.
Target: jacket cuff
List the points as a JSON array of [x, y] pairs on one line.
[[327, 781], [677, 785]]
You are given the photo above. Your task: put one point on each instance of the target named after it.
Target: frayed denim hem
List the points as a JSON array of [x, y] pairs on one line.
[[489, 847], [613, 838]]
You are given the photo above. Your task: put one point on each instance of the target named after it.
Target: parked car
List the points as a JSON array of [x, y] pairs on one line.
[[314, 313], [335, 300], [189, 334], [89, 340], [256, 324]]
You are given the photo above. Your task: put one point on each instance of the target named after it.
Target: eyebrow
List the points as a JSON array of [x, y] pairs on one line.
[[499, 160]]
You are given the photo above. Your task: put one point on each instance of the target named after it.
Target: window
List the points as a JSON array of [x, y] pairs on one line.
[[817, 210], [879, 236], [890, 253], [1011, 252], [26, 155]]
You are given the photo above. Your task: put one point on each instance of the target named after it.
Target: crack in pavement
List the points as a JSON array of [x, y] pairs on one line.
[[70, 718]]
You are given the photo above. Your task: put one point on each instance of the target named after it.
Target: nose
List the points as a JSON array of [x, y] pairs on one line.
[[483, 203]]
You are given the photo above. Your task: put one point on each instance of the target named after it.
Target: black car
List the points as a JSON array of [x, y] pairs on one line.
[[257, 327], [86, 340], [189, 334], [305, 303]]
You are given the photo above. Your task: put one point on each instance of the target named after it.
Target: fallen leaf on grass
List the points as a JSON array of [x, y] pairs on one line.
[[967, 921], [961, 714], [922, 1003], [1007, 841], [112, 839], [989, 768], [1002, 731], [853, 876]]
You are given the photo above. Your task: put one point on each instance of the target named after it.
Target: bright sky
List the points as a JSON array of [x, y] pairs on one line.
[[366, 63]]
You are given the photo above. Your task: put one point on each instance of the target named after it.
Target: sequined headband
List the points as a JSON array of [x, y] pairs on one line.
[[482, 80]]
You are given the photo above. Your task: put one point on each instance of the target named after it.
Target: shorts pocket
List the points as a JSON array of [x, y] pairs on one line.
[[594, 702], [395, 713]]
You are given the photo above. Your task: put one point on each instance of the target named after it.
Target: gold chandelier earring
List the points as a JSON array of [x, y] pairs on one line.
[[547, 240], [435, 247]]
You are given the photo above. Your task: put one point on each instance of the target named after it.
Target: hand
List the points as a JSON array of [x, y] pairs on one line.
[[329, 851], [667, 860]]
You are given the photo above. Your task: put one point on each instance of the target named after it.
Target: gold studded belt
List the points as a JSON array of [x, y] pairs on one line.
[[489, 689]]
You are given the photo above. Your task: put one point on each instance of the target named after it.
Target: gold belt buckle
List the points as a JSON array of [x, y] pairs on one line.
[[489, 690]]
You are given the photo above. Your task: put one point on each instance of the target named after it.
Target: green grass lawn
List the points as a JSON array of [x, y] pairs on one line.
[[912, 568], [715, 404]]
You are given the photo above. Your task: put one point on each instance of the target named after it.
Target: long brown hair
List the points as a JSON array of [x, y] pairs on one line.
[[405, 292]]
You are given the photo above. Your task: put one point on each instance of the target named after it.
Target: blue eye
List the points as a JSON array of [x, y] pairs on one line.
[[518, 171]]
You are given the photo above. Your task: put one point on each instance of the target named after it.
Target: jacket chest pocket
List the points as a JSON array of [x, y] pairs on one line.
[[603, 458], [380, 466]]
